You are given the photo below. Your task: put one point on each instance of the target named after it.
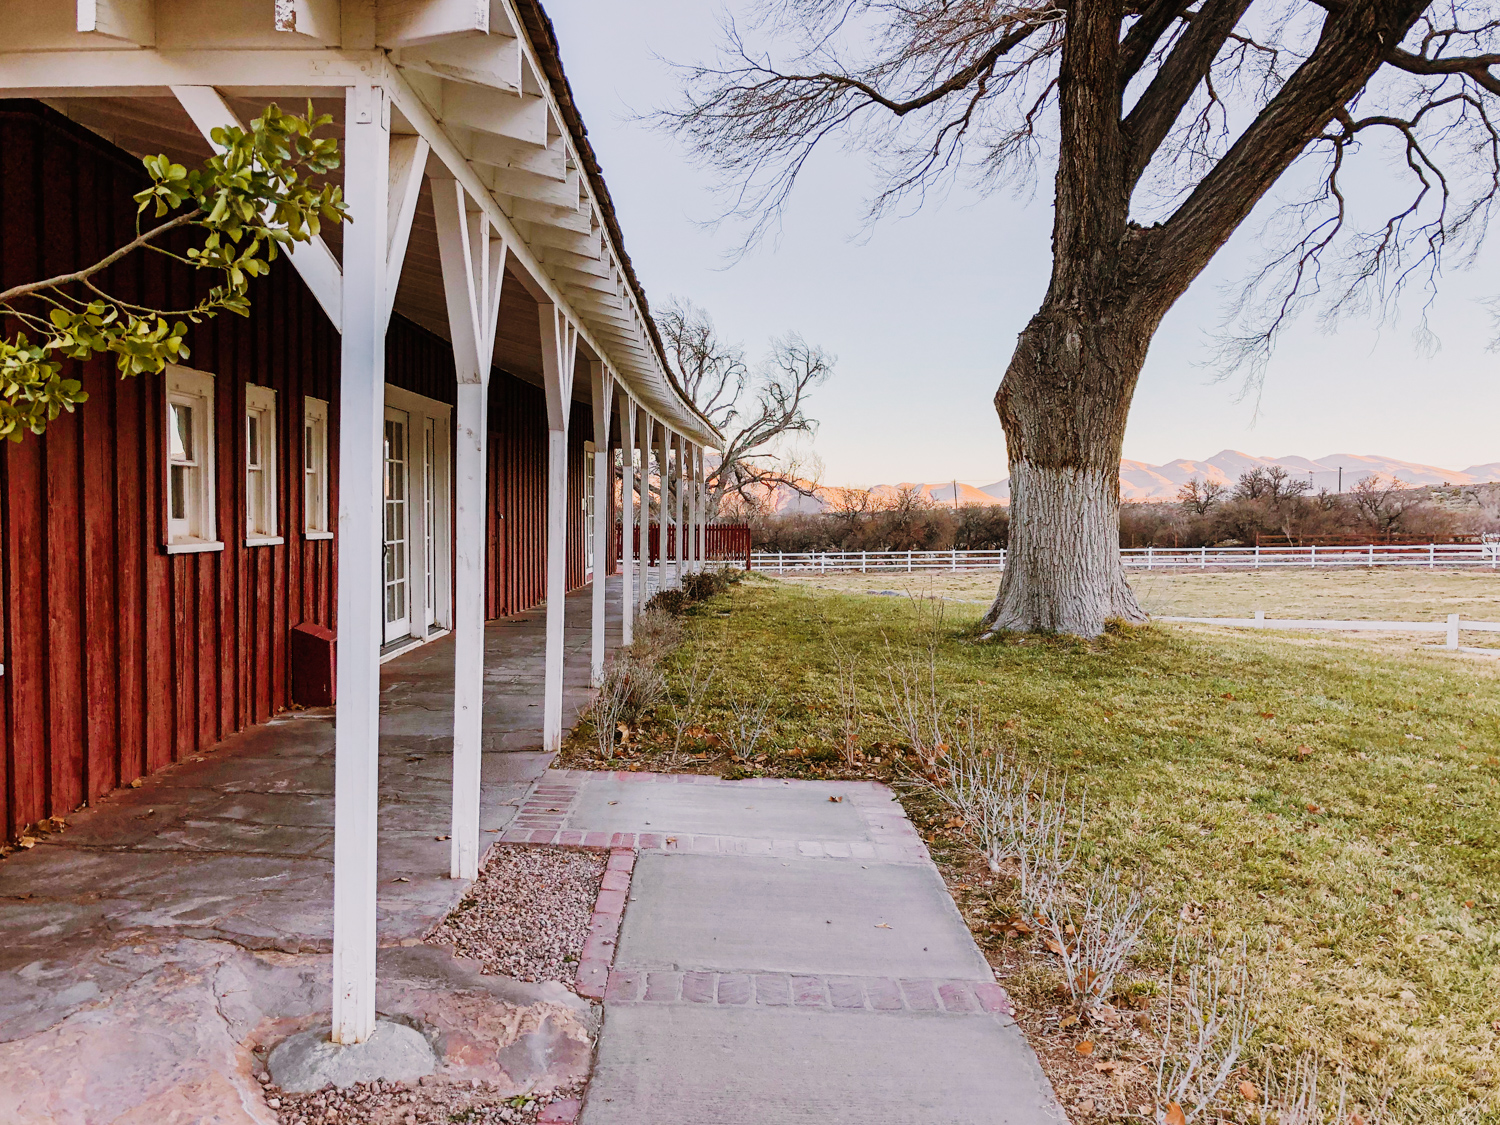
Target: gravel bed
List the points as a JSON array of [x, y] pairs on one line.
[[528, 914], [433, 1102]]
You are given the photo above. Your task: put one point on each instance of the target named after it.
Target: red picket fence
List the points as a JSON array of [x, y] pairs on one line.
[[727, 542]]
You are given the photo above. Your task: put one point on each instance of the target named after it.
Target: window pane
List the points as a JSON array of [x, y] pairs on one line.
[[177, 485], [180, 433], [252, 439]]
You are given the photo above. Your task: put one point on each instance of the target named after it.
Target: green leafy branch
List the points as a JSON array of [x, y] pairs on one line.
[[264, 190]]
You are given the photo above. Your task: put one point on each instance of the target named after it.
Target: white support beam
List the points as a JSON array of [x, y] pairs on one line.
[[473, 265], [317, 21], [408, 164], [627, 519], [128, 21], [604, 392], [483, 60], [496, 111], [648, 423], [559, 351], [692, 510], [360, 542], [320, 270], [405, 23]]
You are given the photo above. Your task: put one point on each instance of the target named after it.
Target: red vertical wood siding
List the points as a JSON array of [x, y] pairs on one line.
[[119, 658]]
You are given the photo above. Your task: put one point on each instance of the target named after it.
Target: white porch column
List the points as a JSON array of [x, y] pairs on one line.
[[559, 349], [473, 264], [603, 395], [681, 502], [646, 428], [366, 160], [700, 537], [627, 519], [664, 502]]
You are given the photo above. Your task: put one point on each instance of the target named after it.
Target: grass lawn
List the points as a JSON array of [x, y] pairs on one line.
[[1344, 594], [1365, 860]]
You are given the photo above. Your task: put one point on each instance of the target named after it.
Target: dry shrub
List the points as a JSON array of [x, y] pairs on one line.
[[749, 723], [913, 709], [1094, 934], [1209, 1022]]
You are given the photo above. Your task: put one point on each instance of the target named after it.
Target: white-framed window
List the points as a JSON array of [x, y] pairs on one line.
[[189, 449], [260, 467], [315, 469]]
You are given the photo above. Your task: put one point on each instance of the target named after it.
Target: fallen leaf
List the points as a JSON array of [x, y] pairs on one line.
[[1267, 715], [1314, 809], [1020, 926], [881, 926], [1085, 1048], [671, 839], [136, 783], [1107, 1014], [1356, 1119], [835, 800], [1249, 1092], [1229, 695], [401, 879], [442, 837], [1304, 752], [1174, 1115], [1106, 1067], [1051, 945], [27, 841]]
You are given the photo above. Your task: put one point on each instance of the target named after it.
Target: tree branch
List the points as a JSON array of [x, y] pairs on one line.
[[62, 279]]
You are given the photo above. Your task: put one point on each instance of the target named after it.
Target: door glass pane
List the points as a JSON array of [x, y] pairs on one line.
[[397, 613]]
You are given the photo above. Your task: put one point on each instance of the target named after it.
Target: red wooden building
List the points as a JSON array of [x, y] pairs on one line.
[[397, 443]]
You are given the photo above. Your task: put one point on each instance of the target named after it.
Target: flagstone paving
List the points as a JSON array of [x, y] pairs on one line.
[[146, 948], [787, 953]]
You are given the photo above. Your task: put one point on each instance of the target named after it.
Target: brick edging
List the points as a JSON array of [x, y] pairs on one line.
[[604, 927], [799, 990]]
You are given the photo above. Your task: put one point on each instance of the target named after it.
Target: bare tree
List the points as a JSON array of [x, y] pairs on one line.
[[758, 410], [1380, 502], [1167, 122], [1200, 496]]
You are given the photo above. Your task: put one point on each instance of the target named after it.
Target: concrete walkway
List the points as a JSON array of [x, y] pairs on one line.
[[788, 953], [147, 948]]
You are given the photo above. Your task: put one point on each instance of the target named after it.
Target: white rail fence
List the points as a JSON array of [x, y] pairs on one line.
[[1144, 558], [1452, 627]]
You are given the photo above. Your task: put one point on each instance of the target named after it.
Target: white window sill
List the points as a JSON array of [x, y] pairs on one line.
[[264, 541], [317, 535], [193, 547]]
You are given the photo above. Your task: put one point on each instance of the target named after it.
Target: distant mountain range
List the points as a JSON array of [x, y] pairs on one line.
[[1141, 482]]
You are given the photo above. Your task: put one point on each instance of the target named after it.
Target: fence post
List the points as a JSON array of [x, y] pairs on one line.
[[1260, 619], [1150, 556], [1431, 556], [863, 560], [1372, 554], [1313, 555], [1203, 556], [908, 562], [1257, 556], [955, 558], [1453, 630], [780, 562]]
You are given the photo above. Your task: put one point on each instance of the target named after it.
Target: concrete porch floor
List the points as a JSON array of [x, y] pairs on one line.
[[143, 949]]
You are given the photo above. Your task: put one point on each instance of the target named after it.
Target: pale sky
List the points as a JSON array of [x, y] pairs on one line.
[[923, 311]]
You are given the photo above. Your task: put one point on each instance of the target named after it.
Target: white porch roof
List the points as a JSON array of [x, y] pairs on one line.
[[478, 80]]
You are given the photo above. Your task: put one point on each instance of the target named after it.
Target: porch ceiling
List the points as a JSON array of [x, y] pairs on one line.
[[482, 77]]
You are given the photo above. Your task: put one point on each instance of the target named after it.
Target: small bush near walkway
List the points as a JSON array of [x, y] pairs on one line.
[[1311, 823]]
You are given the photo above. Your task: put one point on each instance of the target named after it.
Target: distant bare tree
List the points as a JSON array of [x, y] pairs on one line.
[[1166, 122], [1200, 496], [1269, 482], [1378, 500], [757, 409]]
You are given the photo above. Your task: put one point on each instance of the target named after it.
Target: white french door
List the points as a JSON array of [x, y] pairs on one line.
[[588, 511], [397, 560], [430, 518]]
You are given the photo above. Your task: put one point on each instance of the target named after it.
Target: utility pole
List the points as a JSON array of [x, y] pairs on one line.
[[955, 497], [1341, 480]]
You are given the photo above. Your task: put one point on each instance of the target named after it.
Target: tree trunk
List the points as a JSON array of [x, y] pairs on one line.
[[1063, 405]]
